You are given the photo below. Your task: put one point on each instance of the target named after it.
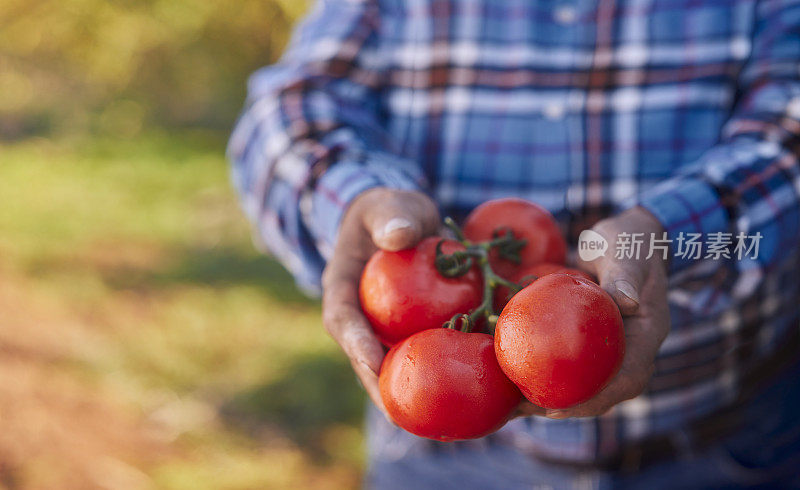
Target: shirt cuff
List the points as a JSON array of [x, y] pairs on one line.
[[686, 205], [342, 183]]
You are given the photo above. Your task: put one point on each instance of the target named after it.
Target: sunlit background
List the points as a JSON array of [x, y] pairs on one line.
[[144, 343]]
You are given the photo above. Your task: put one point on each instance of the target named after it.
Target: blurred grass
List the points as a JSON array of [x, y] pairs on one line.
[[127, 270], [144, 343]]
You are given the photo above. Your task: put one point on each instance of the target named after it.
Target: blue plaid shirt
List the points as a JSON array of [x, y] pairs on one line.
[[690, 108]]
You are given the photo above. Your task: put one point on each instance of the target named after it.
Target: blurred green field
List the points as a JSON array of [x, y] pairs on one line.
[[144, 343]]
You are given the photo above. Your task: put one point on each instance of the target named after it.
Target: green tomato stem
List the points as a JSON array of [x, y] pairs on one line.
[[479, 252], [453, 226]]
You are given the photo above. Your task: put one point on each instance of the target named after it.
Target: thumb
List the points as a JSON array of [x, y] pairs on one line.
[[402, 220], [623, 281]]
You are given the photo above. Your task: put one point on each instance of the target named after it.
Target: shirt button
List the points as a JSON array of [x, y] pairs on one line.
[[554, 111], [565, 14]]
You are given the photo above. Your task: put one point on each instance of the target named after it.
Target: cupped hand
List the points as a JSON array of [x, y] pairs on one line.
[[378, 218], [638, 285]]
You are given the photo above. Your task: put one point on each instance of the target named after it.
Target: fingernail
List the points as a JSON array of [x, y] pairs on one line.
[[627, 289], [395, 224], [556, 414], [366, 366]]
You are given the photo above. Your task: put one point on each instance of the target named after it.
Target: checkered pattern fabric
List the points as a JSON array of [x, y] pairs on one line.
[[690, 108]]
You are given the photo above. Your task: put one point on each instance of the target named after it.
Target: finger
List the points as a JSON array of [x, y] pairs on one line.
[[620, 278], [642, 340], [348, 327], [341, 311], [401, 221], [623, 280], [527, 409], [628, 384], [343, 319], [369, 380]]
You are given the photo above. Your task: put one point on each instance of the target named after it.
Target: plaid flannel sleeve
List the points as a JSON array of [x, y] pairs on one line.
[[310, 138], [750, 182]]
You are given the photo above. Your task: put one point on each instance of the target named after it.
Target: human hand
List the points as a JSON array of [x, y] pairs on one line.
[[638, 285], [378, 218]]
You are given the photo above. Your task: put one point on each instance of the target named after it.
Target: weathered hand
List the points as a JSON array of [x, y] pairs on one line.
[[639, 287], [378, 218]]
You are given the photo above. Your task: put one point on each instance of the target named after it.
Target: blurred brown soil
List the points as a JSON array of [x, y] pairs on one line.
[[58, 428]]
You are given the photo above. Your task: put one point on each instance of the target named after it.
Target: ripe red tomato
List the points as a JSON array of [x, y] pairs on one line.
[[526, 220], [446, 385], [402, 293], [561, 340], [526, 276]]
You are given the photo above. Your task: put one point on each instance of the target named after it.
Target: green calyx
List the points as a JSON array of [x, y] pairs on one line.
[[460, 262]]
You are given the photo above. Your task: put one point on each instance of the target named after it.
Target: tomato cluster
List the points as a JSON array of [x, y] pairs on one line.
[[557, 341]]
